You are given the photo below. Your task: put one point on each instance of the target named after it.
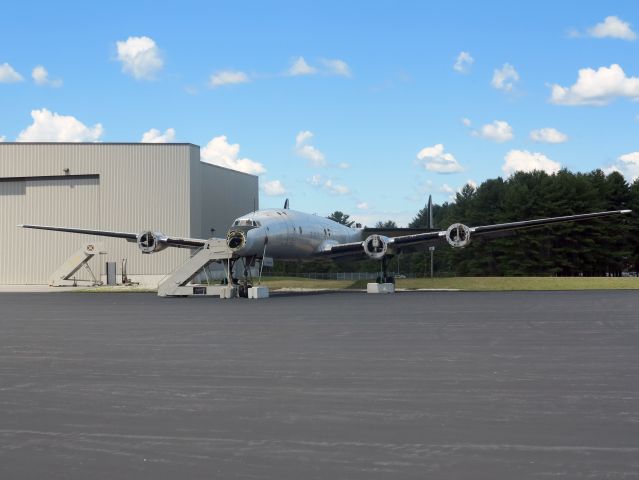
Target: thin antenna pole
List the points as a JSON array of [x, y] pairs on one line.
[[430, 213]]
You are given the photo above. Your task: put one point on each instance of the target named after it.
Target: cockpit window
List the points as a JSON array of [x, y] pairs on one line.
[[246, 222]]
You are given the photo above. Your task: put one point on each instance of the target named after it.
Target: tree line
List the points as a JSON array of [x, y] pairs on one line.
[[588, 248]]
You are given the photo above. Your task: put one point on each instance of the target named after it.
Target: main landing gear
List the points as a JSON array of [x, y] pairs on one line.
[[385, 282], [385, 277], [244, 287], [241, 285]]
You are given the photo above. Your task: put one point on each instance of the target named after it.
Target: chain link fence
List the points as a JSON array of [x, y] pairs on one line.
[[337, 275]]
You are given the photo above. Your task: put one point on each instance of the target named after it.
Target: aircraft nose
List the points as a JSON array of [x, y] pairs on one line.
[[242, 240]]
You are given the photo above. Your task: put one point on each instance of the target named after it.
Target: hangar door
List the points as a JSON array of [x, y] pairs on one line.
[[31, 256]]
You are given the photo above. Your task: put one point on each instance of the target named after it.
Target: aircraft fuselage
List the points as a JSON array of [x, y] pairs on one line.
[[287, 234]]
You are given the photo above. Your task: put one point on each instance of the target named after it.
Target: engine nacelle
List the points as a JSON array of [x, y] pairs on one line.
[[235, 239], [458, 235], [151, 242], [375, 246]]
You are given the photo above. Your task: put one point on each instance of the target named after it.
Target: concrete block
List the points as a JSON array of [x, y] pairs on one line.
[[380, 288], [258, 292]]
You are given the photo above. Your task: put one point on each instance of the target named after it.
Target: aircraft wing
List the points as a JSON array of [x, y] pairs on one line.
[[440, 237], [179, 242]]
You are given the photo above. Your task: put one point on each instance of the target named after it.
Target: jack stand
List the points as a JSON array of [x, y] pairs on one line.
[[177, 283], [64, 276]]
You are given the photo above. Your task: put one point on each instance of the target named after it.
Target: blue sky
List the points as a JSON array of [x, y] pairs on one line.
[[342, 128]]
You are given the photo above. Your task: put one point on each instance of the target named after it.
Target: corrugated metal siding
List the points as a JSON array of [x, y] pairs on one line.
[[196, 202], [141, 186], [226, 195], [34, 256]]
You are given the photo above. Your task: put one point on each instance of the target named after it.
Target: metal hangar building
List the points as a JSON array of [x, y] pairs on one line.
[[128, 187]]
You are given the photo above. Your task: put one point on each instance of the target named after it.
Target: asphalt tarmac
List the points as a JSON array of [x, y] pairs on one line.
[[444, 385]]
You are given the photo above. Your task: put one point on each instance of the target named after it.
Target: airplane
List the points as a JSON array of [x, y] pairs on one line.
[[285, 234]]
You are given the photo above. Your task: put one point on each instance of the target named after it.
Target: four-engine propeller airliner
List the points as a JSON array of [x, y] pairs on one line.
[[287, 234]]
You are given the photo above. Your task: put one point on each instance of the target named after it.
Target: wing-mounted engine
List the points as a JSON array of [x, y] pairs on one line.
[[375, 246], [458, 235], [235, 239], [151, 242]]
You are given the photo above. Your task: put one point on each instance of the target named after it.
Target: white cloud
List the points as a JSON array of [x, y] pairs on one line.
[[2, 138], [140, 57], [627, 165], [51, 127], [300, 67], [329, 185], [445, 188], [335, 188], [436, 160], [466, 122], [302, 137], [613, 27], [504, 78], [273, 188], [156, 136], [219, 152], [315, 180], [8, 74], [312, 154], [309, 152], [525, 161], [498, 131], [452, 193], [227, 77], [41, 77], [464, 62], [362, 206], [337, 67], [343, 165], [597, 87], [548, 135]]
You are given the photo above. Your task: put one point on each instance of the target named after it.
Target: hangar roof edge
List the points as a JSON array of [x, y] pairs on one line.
[[96, 143]]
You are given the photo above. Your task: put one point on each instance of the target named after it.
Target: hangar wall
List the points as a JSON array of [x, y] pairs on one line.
[[106, 186]]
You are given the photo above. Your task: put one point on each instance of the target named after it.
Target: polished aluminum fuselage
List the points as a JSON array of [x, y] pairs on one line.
[[289, 234]]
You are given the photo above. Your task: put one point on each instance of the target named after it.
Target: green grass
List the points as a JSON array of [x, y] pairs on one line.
[[470, 283], [277, 283], [521, 283]]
